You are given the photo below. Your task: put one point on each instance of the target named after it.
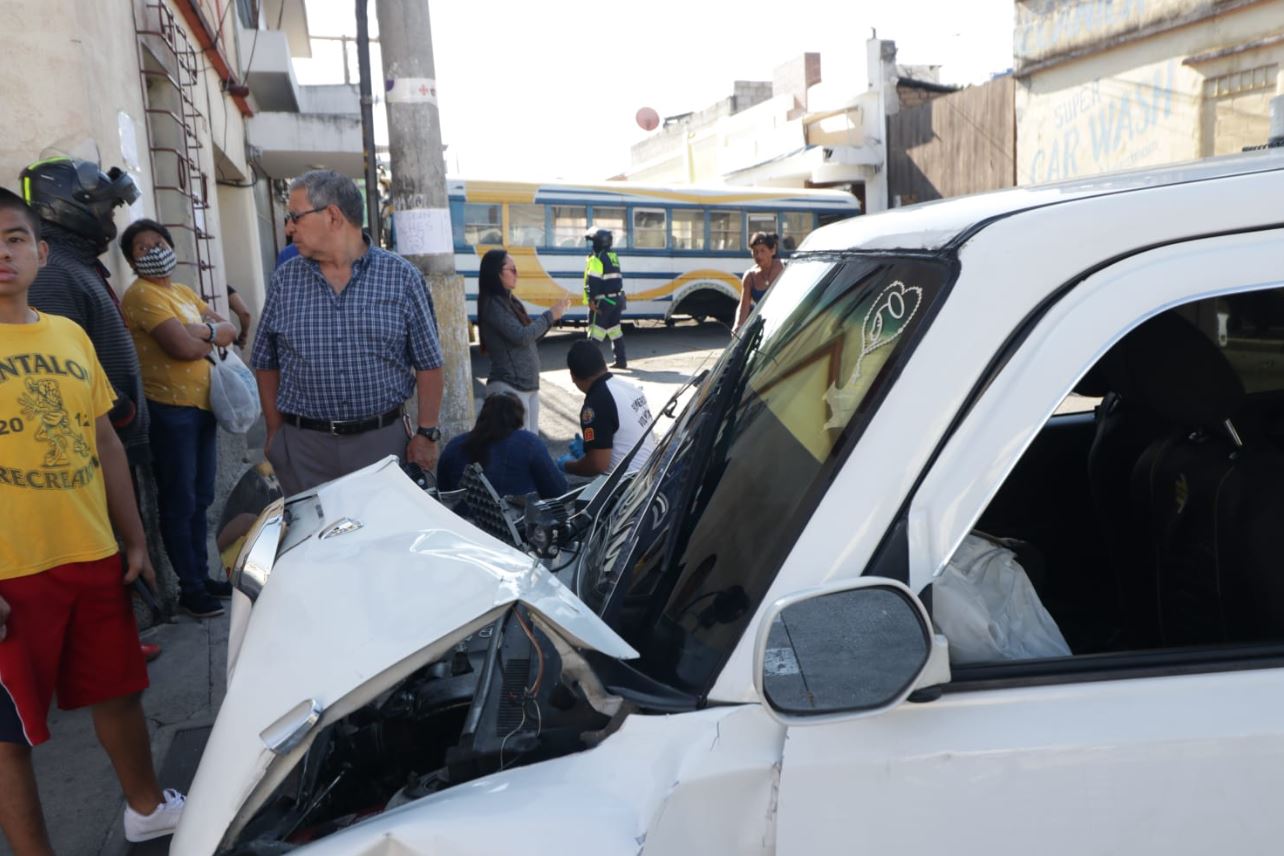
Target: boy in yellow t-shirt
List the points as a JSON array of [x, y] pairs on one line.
[[66, 625]]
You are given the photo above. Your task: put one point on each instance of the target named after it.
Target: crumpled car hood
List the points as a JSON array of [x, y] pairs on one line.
[[343, 618]]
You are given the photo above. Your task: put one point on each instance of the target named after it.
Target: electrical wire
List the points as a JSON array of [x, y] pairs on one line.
[[539, 653], [528, 693], [254, 43], [218, 33], [504, 742], [539, 719]]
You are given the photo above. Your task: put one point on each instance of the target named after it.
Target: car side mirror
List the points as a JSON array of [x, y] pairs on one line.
[[855, 648]]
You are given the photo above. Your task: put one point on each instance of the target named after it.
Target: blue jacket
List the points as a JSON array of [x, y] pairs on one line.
[[519, 464]]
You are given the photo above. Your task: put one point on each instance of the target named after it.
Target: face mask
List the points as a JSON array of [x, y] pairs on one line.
[[158, 261]]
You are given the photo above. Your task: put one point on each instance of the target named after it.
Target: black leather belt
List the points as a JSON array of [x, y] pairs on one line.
[[345, 427]]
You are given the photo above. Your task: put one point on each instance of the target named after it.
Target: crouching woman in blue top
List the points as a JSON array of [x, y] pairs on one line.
[[514, 460]]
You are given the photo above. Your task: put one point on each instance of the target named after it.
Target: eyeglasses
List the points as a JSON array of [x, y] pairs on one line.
[[292, 217]]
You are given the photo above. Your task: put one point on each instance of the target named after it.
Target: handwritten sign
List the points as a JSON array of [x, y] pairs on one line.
[[423, 231]]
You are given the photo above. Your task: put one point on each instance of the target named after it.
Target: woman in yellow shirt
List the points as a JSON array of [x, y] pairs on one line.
[[173, 331]]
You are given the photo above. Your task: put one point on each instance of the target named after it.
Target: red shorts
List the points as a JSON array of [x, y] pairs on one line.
[[71, 629]]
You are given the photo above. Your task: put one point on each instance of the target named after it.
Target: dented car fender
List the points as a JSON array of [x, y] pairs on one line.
[[689, 784]]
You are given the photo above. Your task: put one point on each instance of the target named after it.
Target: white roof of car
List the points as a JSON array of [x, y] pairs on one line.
[[933, 225]]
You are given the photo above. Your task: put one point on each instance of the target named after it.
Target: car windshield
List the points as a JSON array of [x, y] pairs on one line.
[[696, 539]]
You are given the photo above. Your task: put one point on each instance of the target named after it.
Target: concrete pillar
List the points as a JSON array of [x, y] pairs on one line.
[[421, 221]]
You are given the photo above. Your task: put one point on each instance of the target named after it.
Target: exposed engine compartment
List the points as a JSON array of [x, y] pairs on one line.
[[503, 697]]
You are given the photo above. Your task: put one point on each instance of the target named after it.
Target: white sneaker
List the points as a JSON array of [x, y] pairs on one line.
[[162, 821]]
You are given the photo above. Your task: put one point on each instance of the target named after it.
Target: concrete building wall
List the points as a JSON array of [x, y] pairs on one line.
[[747, 93], [753, 136], [74, 77], [240, 239], [792, 79], [1167, 81], [1051, 28]]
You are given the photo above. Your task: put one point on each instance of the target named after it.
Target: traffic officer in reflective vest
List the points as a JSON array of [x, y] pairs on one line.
[[604, 294]]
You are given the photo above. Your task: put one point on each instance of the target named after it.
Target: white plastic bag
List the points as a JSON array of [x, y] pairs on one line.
[[988, 610], [234, 396]]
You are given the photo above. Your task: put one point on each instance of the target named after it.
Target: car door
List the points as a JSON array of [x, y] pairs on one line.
[[1171, 752]]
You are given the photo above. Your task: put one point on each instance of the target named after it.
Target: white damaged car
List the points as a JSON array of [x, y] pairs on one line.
[[972, 542]]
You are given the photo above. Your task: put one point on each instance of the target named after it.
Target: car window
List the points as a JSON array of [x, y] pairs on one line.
[[1249, 328], [1152, 522], [1076, 403]]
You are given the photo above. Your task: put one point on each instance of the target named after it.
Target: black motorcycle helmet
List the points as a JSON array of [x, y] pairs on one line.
[[78, 196], [601, 239]]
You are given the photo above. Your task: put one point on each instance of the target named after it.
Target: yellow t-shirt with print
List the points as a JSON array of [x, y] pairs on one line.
[[51, 483], [183, 383]]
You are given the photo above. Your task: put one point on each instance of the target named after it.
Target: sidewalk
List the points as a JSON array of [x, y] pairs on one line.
[[81, 797]]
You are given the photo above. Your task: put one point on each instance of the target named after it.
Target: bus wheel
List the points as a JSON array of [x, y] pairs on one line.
[[705, 304]]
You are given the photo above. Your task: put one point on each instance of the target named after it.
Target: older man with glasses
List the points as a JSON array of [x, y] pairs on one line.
[[347, 334]]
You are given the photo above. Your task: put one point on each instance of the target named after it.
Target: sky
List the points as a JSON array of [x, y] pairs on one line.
[[549, 90]]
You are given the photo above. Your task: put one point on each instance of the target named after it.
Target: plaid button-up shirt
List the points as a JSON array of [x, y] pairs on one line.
[[349, 355]]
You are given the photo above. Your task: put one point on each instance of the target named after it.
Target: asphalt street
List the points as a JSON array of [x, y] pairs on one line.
[[660, 361], [81, 797]]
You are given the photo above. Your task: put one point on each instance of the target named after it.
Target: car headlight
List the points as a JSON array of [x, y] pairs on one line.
[[258, 554]]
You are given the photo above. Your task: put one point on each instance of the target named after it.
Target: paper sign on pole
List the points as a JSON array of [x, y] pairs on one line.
[[423, 231]]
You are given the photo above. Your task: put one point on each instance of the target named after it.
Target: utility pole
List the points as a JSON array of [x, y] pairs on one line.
[[421, 218], [367, 121]]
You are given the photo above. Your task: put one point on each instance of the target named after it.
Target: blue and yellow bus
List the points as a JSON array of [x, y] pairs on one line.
[[682, 249]]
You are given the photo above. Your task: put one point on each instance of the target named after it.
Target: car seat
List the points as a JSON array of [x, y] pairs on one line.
[[1124, 426], [1207, 507]]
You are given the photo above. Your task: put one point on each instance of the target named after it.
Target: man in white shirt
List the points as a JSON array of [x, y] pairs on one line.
[[614, 417]]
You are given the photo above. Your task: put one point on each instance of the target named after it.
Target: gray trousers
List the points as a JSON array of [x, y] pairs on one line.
[[303, 459]]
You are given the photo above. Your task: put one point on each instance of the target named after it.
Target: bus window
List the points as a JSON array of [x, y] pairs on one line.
[[794, 226], [570, 222], [481, 224], [688, 229], [613, 219], [649, 228], [762, 222], [525, 225], [456, 222], [725, 230]]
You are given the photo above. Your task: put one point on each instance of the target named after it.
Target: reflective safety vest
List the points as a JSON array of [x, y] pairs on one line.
[[602, 275]]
